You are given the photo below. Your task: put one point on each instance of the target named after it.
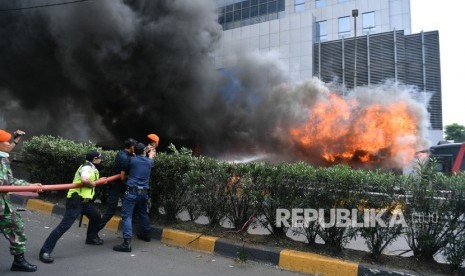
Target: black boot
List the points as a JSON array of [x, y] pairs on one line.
[[144, 236], [124, 247], [46, 258], [20, 264]]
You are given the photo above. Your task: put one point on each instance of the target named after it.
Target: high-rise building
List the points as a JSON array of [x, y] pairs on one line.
[[322, 37]]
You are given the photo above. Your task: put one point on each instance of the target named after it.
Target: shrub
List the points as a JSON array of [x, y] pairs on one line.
[[433, 196], [242, 195], [455, 252], [207, 180], [284, 186], [55, 160], [377, 237], [339, 189], [168, 181]]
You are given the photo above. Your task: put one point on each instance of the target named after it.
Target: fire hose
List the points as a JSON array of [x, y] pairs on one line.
[[54, 187]]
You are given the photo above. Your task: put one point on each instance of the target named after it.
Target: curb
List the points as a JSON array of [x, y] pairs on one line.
[[291, 260], [48, 208]]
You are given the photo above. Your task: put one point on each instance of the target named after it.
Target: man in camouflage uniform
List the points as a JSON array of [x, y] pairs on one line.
[[11, 224]]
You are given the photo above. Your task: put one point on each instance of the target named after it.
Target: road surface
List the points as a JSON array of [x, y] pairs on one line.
[[73, 257]]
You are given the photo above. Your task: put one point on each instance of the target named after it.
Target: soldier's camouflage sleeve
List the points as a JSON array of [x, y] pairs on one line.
[[6, 176]]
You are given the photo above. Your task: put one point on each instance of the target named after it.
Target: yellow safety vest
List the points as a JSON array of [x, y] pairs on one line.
[[84, 192]]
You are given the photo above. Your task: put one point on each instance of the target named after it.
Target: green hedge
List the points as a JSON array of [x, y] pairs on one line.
[[55, 160], [242, 192]]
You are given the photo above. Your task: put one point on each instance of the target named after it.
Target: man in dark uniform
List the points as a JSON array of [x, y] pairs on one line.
[[137, 194], [118, 187], [78, 201]]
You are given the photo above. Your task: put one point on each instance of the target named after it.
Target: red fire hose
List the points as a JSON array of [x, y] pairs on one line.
[[54, 187]]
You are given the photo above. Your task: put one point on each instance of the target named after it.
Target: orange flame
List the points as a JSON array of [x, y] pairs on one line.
[[343, 131]]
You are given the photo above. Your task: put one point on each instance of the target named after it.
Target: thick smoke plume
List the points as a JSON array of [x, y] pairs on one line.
[[126, 68], [108, 70]]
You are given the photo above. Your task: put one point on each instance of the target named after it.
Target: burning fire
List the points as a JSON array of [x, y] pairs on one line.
[[344, 131]]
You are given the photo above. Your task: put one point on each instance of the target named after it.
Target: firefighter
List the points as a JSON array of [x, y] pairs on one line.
[[137, 194], [151, 148], [11, 224], [118, 187], [152, 144], [78, 201]]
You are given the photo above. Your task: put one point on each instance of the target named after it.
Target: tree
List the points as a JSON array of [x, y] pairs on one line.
[[455, 132]]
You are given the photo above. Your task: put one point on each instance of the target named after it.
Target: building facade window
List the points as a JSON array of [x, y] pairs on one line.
[[321, 33], [272, 7], [243, 13], [299, 5], [320, 3], [344, 26], [368, 22], [263, 9]]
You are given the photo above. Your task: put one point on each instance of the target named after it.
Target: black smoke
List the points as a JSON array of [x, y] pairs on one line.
[[108, 69]]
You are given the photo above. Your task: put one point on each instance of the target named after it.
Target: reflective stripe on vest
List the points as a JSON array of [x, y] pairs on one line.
[[84, 192]]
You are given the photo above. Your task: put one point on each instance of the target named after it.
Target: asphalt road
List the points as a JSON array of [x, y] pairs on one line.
[[73, 257]]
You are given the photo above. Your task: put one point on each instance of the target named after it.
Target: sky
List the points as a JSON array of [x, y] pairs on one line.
[[446, 17]]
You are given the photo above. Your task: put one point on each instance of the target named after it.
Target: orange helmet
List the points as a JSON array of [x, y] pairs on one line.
[[6, 136], [153, 137]]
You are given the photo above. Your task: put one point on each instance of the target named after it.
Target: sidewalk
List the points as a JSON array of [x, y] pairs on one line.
[[297, 261]]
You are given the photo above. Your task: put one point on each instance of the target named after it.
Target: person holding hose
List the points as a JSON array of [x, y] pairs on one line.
[[137, 194], [78, 201], [118, 187], [11, 224]]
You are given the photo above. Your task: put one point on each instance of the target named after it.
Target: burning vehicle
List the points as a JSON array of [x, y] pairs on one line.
[[372, 135]]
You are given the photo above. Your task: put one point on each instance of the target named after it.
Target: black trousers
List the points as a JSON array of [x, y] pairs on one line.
[[74, 208], [115, 192]]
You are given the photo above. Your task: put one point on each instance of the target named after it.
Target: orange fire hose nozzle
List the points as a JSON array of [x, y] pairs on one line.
[[54, 187]]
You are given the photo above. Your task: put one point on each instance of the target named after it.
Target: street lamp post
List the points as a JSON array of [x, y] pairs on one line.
[[354, 15]]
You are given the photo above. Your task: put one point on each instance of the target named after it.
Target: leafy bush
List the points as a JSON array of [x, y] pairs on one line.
[[284, 186], [435, 196], [341, 187], [242, 194], [168, 176], [52, 160], [207, 181], [455, 252], [378, 237]]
